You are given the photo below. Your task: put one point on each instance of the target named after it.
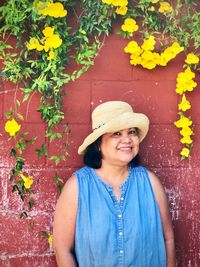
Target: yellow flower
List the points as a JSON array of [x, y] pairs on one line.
[[183, 122], [151, 8], [123, 2], [154, 1], [55, 10], [170, 53], [34, 44], [186, 131], [135, 59], [186, 140], [182, 87], [189, 74], [51, 55], [119, 2], [148, 60], [52, 41], [50, 239], [192, 59], [12, 127], [28, 181], [122, 10], [48, 31], [129, 25], [165, 7], [177, 48], [185, 81], [185, 104], [115, 2], [185, 152], [164, 59], [132, 47], [148, 44], [156, 58], [108, 2]]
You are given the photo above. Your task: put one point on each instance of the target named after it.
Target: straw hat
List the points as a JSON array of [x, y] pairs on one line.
[[113, 116]]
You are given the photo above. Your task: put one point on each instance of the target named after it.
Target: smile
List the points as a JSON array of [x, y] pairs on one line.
[[128, 148]]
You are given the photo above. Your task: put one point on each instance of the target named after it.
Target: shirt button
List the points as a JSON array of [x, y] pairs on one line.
[[120, 233], [122, 198], [119, 215], [121, 251]]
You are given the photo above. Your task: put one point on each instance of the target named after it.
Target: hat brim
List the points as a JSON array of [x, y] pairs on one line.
[[123, 121]]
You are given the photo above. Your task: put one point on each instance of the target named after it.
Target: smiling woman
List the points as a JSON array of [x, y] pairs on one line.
[[120, 147], [113, 213]]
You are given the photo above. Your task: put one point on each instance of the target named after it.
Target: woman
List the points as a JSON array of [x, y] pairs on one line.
[[112, 212]]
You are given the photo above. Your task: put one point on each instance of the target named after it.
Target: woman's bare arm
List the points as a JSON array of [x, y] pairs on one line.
[[166, 218], [64, 224]]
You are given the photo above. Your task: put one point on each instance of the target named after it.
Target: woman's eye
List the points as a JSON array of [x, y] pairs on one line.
[[133, 132], [117, 134]]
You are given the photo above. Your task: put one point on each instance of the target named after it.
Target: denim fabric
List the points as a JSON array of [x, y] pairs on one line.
[[109, 233]]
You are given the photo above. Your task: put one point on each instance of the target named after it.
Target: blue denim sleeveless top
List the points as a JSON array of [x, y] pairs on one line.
[[111, 233]]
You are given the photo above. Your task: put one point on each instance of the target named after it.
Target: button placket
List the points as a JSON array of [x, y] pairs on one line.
[[120, 236], [118, 206]]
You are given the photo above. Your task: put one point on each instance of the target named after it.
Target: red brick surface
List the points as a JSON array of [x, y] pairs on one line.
[[3, 189], [5, 147], [19, 236], [78, 132], [161, 148], [107, 63], [28, 108], [195, 109], [150, 97], [34, 130], [1, 100], [34, 261], [78, 97], [111, 78]]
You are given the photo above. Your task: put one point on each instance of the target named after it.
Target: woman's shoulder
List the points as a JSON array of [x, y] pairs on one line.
[[155, 183], [139, 170], [83, 172], [146, 173], [84, 169], [153, 180], [84, 176], [70, 185]]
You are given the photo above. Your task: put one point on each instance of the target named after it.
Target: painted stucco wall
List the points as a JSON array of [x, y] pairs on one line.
[[111, 78]]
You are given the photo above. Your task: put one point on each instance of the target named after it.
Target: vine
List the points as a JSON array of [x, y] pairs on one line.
[[51, 35]]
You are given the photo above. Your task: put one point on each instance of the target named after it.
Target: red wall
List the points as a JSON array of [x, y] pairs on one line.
[[111, 78]]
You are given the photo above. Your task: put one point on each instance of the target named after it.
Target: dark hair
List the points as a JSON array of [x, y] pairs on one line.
[[93, 156]]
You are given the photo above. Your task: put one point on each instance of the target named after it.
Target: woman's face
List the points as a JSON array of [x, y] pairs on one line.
[[120, 147]]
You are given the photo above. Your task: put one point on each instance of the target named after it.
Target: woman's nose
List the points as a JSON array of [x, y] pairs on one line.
[[126, 138]]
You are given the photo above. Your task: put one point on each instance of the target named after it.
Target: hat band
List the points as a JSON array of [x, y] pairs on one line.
[[99, 126]]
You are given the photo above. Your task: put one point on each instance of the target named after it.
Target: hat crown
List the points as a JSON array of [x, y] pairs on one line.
[[108, 111]]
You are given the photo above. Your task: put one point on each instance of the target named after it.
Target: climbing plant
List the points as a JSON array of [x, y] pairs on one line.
[[51, 35]]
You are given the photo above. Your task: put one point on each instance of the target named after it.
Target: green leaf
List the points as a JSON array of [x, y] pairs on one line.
[[18, 103], [44, 234], [56, 159], [9, 114], [39, 153], [23, 215], [31, 203], [12, 178], [44, 150], [13, 152]]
